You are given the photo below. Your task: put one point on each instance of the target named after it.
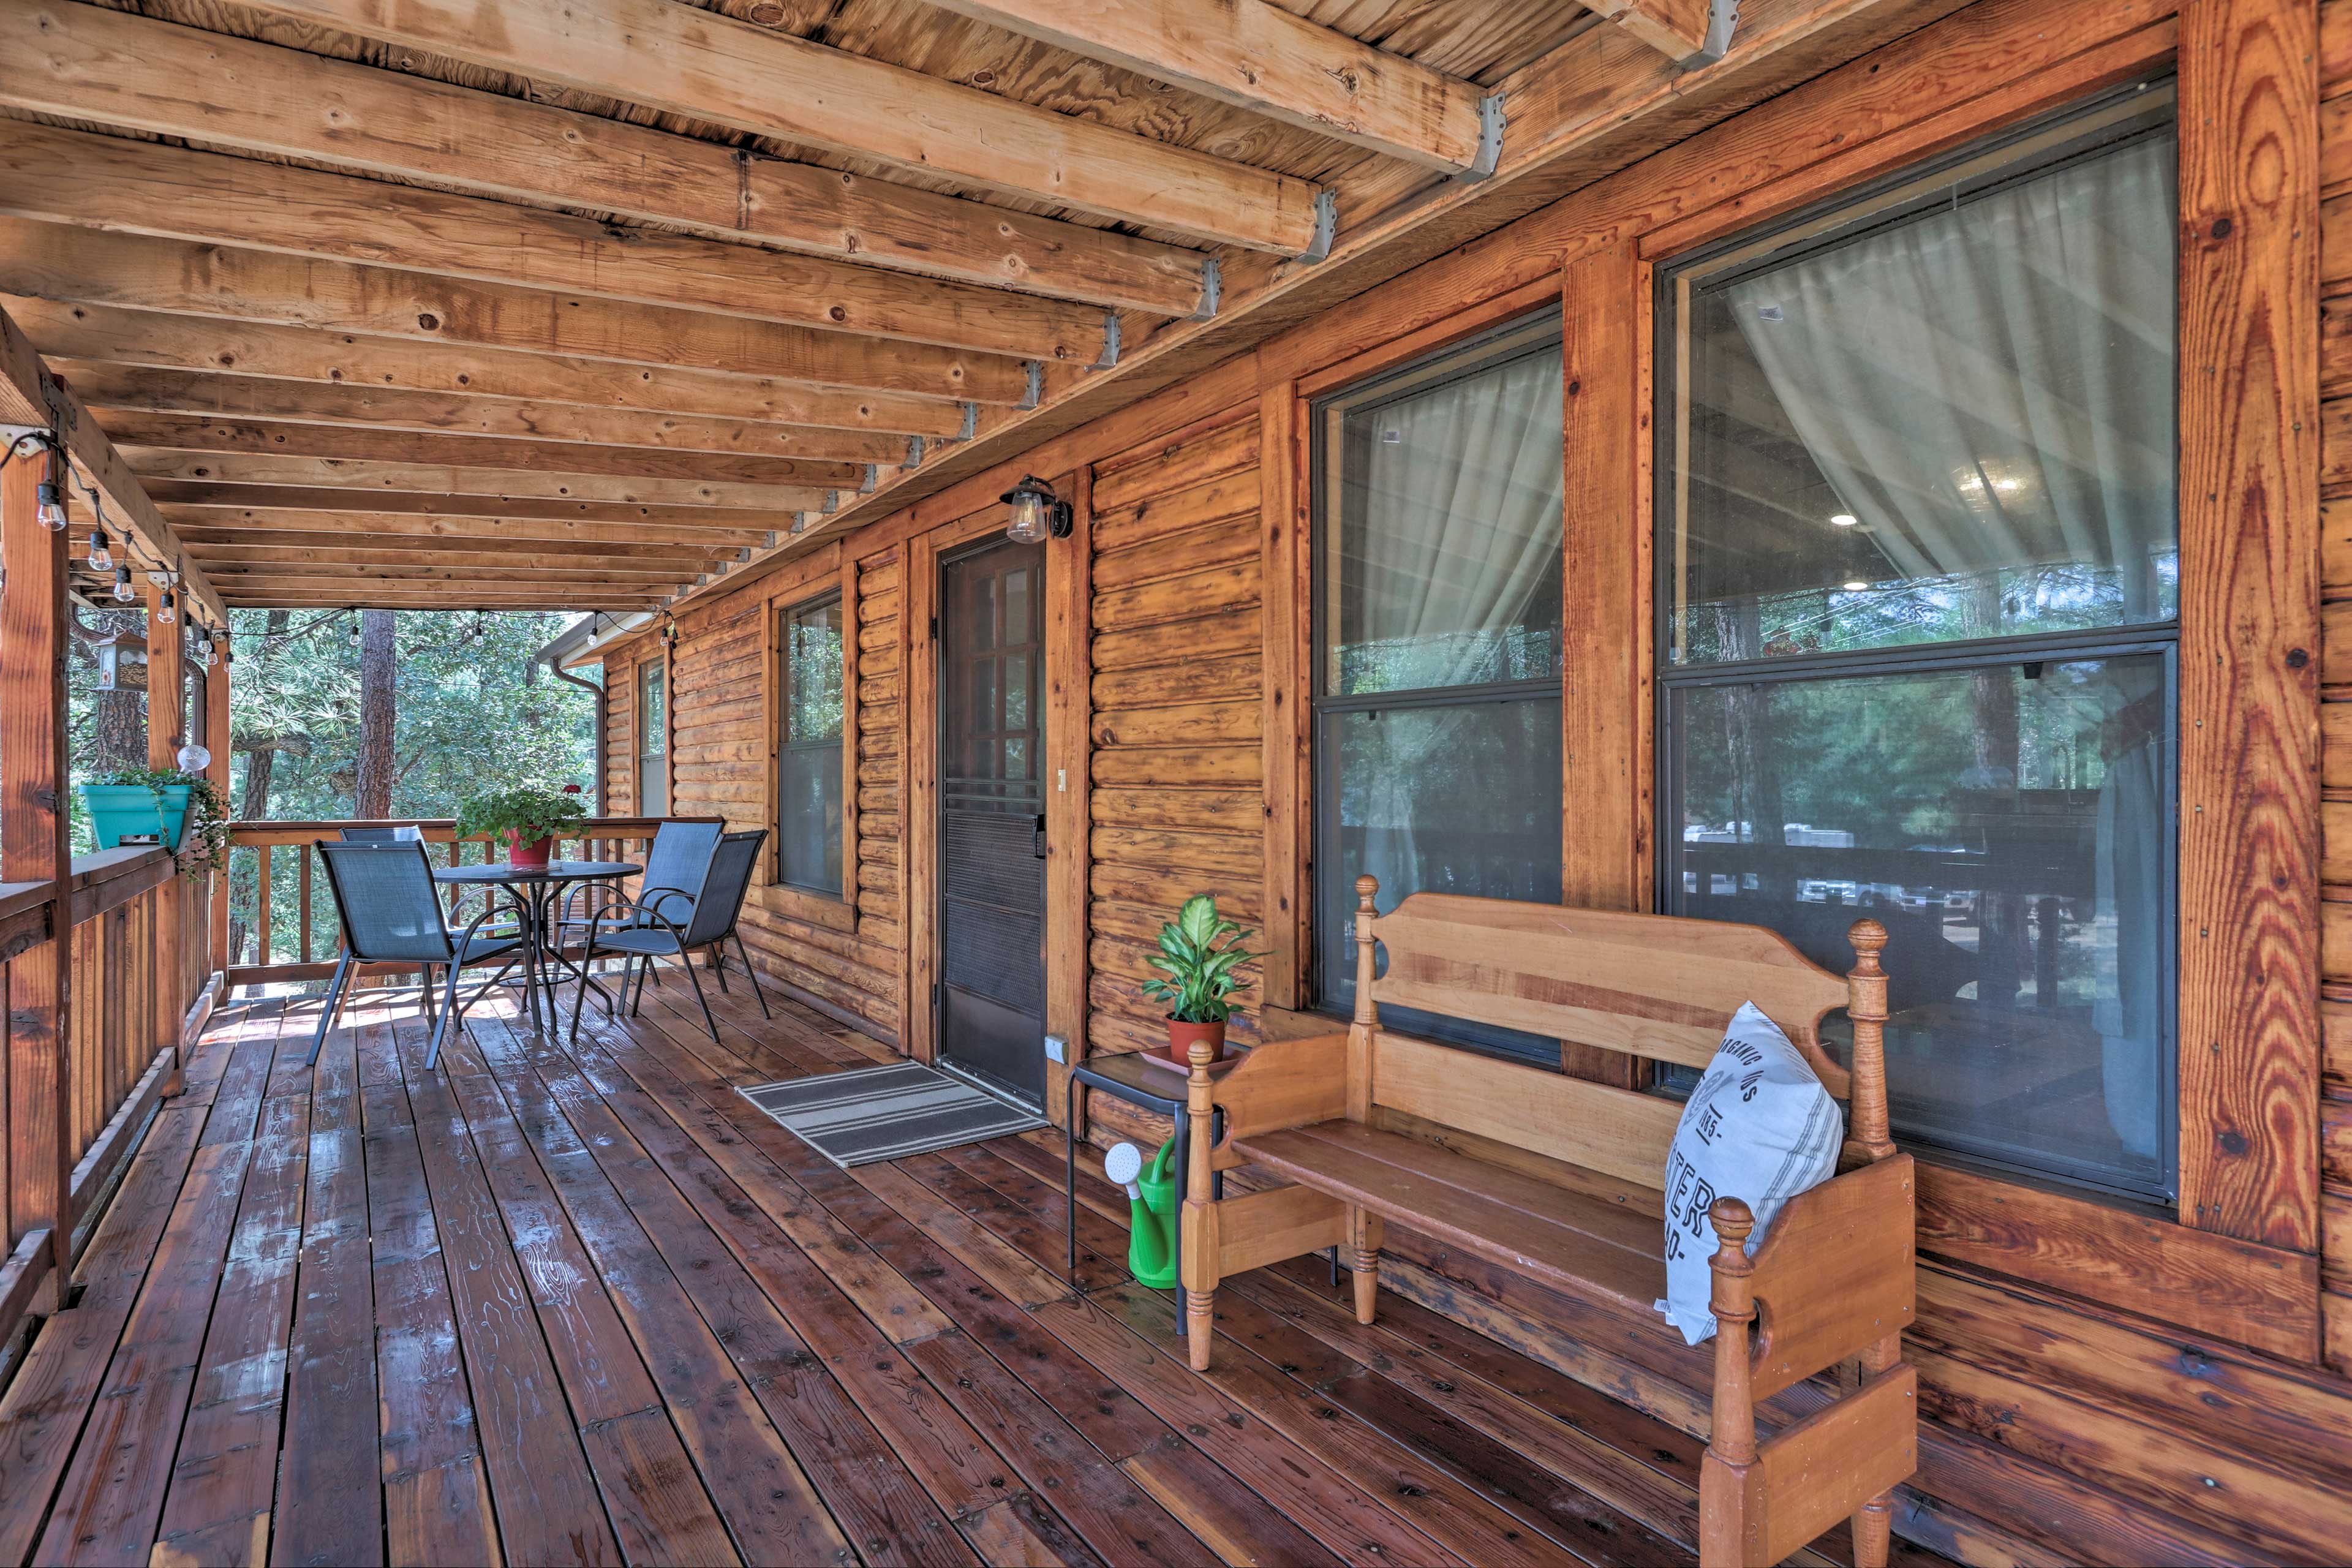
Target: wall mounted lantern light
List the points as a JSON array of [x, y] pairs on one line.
[[1037, 514]]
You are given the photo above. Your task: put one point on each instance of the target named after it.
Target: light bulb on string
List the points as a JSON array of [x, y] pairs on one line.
[[355, 628], [166, 612], [123, 592], [49, 506], [101, 559]]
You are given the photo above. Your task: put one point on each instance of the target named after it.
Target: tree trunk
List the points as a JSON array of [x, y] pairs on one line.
[[372, 799], [260, 761], [118, 734]]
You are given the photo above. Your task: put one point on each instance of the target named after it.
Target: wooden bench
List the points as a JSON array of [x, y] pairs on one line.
[[1352, 1121]]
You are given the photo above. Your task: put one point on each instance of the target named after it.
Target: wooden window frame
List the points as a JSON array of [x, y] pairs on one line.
[[2237, 1260], [638, 752], [822, 573]]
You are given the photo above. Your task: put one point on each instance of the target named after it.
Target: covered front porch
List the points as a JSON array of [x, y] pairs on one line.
[[592, 1305]]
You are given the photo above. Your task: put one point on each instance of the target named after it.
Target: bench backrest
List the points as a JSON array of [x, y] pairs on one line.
[[1659, 986]]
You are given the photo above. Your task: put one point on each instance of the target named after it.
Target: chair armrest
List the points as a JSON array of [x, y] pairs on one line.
[[1836, 1274]]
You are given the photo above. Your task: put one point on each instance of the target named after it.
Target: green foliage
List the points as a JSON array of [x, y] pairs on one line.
[[529, 811], [204, 841], [1199, 950]]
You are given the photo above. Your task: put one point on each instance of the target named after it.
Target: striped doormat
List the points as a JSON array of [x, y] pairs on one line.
[[867, 1114]]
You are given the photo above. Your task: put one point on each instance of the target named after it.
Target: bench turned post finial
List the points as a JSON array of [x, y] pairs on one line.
[[1732, 1436], [1866, 1006], [1367, 887]]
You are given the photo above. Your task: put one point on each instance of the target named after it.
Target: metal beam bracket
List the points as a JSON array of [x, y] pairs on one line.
[[1036, 393], [1327, 225], [1110, 344], [914, 454], [1490, 140], [831, 502], [1212, 288], [970, 421], [873, 477], [1722, 19]]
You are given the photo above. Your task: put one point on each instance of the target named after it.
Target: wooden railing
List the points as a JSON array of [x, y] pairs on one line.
[[128, 1019], [279, 923]]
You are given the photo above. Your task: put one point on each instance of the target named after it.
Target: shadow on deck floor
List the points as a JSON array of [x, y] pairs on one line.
[[549, 1307]]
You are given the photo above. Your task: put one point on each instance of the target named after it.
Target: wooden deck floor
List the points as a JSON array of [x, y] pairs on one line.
[[593, 1307]]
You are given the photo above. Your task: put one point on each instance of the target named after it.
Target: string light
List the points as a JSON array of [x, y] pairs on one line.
[[355, 628], [49, 501], [101, 559], [49, 506], [164, 612], [123, 592]]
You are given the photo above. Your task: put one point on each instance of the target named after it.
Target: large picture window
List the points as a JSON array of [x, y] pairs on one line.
[[653, 738], [808, 752], [1918, 562], [1438, 612]]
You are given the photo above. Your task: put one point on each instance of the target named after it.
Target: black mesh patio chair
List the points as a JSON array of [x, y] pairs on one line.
[[675, 868], [640, 931], [408, 834], [390, 907]]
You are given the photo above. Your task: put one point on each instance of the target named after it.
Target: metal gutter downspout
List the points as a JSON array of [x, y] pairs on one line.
[[597, 689]]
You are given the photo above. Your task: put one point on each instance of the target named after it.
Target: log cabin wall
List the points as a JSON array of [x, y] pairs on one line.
[[2100, 1385]]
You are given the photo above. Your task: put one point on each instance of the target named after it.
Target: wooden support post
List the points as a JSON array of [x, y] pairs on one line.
[[1069, 709], [166, 728], [35, 846], [216, 740], [1198, 1248]]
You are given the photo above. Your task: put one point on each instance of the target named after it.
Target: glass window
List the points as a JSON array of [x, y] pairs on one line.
[[652, 739], [808, 754], [1438, 592], [1918, 558]]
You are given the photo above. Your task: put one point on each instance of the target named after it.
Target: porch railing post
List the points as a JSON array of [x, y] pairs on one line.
[[216, 740], [166, 727], [36, 847]]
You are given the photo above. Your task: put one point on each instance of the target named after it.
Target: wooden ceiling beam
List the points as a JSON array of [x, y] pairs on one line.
[[552, 568], [113, 68], [189, 433], [89, 333], [214, 544], [226, 500], [454, 601], [689, 61], [1688, 32], [137, 389], [1261, 58], [159, 464], [228, 525], [55, 175], [30, 395], [53, 261]]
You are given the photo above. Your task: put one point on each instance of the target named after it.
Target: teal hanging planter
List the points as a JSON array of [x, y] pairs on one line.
[[137, 812]]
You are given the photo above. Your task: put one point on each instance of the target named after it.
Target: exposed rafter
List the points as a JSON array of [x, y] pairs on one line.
[[181, 433], [673, 56], [115, 183], [83, 62], [30, 395], [1688, 32], [474, 383], [156, 465], [228, 525], [1259, 57], [134, 389], [53, 261]]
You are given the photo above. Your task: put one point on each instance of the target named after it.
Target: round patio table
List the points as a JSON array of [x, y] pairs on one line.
[[532, 890]]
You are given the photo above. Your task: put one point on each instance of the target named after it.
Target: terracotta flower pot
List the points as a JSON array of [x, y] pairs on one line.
[[533, 855], [1181, 1036]]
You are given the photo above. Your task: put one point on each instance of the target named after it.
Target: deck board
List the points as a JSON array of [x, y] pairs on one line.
[[586, 1304]]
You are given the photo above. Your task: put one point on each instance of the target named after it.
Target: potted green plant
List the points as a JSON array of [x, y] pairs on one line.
[[529, 817], [173, 806], [1199, 950]]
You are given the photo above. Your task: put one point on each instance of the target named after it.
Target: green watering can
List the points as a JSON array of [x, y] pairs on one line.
[[1151, 1209]]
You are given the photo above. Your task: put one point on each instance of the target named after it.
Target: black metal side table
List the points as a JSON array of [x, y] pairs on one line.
[[1126, 1078]]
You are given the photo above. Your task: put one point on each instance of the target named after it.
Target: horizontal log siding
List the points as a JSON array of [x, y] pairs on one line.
[[1176, 702], [620, 739]]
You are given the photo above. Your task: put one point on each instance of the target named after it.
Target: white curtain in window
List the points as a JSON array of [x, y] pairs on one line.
[[1455, 509], [1454, 512], [1992, 385]]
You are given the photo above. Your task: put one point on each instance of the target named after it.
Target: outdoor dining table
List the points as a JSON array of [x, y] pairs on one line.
[[533, 890]]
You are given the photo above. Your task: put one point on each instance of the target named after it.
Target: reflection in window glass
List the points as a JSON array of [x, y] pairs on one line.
[[1956, 426], [1918, 553], [1438, 745], [2010, 824], [652, 739], [808, 759]]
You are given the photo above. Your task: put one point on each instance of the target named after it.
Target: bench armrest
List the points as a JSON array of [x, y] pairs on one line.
[[1836, 1275], [1282, 1084]]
